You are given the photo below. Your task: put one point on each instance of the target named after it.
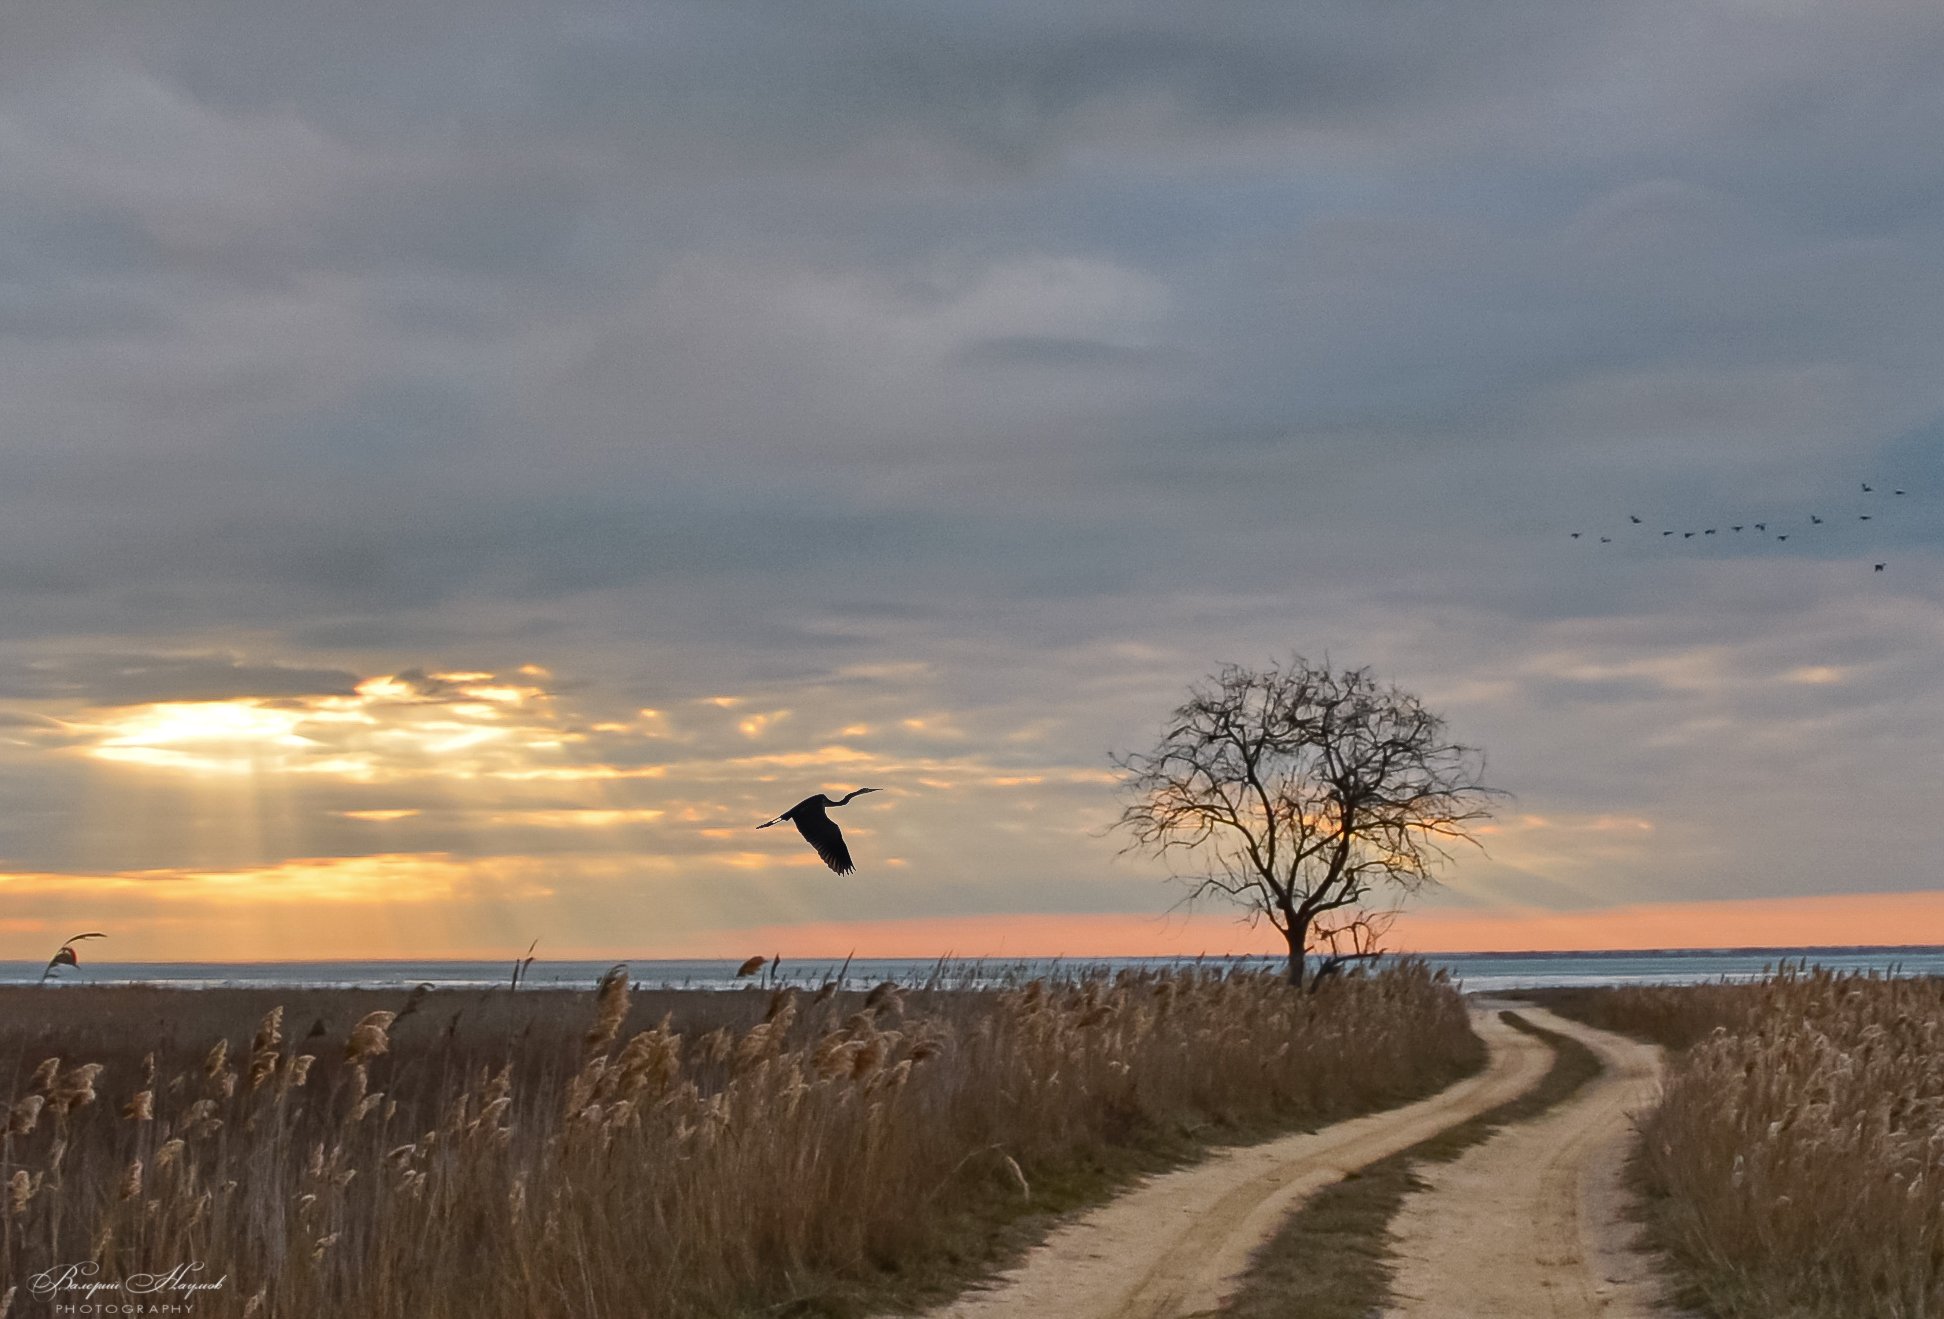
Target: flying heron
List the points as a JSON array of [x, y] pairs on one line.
[[817, 828]]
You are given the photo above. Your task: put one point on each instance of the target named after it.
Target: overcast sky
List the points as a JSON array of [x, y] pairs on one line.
[[465, 465]]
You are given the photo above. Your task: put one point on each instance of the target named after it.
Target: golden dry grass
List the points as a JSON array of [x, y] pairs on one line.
[[1797, 1156], [767, 1152], [1675, 1016]]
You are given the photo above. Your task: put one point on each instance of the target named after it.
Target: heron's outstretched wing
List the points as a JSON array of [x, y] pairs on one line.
[[823, 834]]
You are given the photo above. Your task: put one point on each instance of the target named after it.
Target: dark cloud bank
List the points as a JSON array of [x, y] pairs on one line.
[[1042, 355]]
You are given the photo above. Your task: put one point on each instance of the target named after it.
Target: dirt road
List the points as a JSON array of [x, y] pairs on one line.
[[1532, 1224], [1173, 1245]]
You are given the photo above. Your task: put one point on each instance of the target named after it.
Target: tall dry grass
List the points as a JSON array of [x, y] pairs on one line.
[[1799, 1150], [1674, 1016], [618, 1168]]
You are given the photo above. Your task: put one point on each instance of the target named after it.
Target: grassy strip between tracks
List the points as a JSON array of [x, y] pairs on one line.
[[1331, 1258]]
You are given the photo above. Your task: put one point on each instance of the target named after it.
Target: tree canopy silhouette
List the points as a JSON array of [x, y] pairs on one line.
[[1304, 792]]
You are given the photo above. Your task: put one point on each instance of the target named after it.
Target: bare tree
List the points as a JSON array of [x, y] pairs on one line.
[[1302, 792]]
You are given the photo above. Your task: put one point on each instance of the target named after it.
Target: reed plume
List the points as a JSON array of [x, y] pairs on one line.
[[742, 1153]]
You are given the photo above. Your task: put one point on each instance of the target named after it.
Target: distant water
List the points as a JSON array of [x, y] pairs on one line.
[[1477, 971]]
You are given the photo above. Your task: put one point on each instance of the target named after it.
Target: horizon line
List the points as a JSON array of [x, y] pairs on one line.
[[1719, 950]]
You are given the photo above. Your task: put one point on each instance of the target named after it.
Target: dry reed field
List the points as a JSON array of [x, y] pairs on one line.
[[1674, 1016], [707, 1154], [1797, 1157]]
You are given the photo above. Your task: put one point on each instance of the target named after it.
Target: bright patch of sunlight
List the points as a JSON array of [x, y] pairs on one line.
[[578, 819], [830, 755], [390, 878], [445, 725], [757, 724], [209, 736]]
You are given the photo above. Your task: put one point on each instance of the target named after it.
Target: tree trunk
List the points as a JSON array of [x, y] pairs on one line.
[[1297, 934]]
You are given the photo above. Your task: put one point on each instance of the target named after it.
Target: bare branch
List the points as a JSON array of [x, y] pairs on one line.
[[1298, 790]]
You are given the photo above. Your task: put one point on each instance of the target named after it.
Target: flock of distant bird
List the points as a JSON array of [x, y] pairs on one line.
[[1761, 528]]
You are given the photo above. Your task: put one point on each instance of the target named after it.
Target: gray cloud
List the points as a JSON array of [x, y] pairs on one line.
[[1009, 360], [135, 679]]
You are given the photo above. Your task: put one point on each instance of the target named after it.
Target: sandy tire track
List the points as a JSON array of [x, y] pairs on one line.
[[1175, 1244], [1533, 1223]]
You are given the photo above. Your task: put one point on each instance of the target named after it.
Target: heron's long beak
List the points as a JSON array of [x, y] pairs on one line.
[[767, 823]]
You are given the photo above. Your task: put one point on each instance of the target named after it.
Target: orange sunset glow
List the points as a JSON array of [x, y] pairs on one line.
[[1878, 919], [472, 811], [434, 519]]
